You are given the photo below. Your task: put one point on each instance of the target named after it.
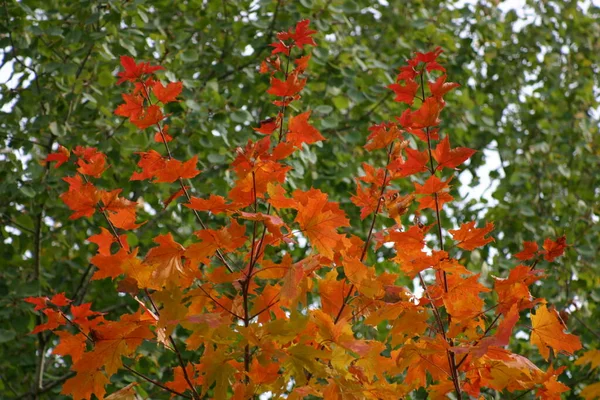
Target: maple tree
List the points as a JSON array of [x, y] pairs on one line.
[[259, 321]]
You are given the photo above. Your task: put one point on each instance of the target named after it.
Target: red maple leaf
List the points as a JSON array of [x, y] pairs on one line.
[[280, 47], [440, 87], [289, 88], [163, 136], [151, 116], [428, 115], [133, 107], [135, 71], [554, 248], [416, 161], [215, 204], [92, 164], [169, 93], [150, 162], [175, 195], [268, 126], [430, 59], [61, 156], [381, 136], [302, 63], [301, 34], [450, 158], [405, 93]]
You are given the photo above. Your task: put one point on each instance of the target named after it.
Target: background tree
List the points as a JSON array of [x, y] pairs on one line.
[[530, 87]]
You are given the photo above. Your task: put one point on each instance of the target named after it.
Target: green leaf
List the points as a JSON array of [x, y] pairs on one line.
[[240, 116], [189, 56]]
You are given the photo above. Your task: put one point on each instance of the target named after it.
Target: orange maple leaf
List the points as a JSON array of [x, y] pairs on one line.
[[175, 169], [113, 340], [228, 238], [70, 345], [263, 374], [166, 260], [319, 220], [215, 204], [554, 248], [81, 197], [104, 240], [469, 237], [121, 212], [365, 198], [362, 277], [515, 288], [529, 251], [277, 197], [109, 265], [426, 355], [85, 384], [548, 331], [300, 131], [332, 293], [151, 162], [462, 300]]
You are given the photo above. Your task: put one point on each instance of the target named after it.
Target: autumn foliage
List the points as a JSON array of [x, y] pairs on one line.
[[260, 321]]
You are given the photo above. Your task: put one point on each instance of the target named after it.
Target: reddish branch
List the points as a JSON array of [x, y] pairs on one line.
[[171, 340], [449, 353]]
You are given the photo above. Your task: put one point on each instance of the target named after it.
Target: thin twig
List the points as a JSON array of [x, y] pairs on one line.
[[152, 381], [183, 186], [586, 326], [368, 240], [47, 387], [488, 329]]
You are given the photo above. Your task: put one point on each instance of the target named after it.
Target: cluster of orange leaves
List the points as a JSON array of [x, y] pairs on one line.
[[259, 323]]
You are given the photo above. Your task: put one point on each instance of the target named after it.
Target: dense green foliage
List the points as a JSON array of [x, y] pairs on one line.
[[529, 96]]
